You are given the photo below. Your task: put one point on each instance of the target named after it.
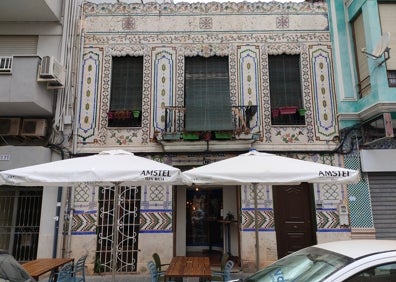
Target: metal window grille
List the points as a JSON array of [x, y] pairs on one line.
[[20, 211], [122, 244]]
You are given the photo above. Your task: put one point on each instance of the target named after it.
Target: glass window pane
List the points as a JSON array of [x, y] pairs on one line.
[[385, 272]]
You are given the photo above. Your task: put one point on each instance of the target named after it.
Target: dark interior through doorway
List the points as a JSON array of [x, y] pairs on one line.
[[203, 210]]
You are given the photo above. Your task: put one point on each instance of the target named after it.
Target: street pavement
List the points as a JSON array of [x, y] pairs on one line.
[[146, 277], [140, 278]]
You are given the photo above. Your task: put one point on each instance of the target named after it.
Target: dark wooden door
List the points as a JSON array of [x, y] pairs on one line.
[[294, 217]]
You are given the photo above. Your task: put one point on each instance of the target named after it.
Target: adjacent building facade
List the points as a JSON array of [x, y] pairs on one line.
[[364, 70], [38, 46]]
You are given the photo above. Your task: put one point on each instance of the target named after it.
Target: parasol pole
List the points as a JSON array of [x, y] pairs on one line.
[[256, 227], [115, 233]]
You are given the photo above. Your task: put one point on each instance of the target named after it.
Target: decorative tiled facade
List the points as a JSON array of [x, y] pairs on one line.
[[165, 42], [247, 33], [328, 198], [155, 210]]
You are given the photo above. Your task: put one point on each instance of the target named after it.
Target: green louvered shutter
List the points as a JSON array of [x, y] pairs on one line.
[[284, 78], [126, 83], [207, 94]]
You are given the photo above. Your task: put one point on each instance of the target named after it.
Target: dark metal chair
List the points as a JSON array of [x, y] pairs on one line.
[[79, 269], [65, 274], [225, 274], [153, 271]]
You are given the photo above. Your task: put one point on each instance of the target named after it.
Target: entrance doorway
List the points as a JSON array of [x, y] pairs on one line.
[[199, 228], [294, 217], [203, 210]]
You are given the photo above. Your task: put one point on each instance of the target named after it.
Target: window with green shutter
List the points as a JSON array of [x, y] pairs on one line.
[[207, 94], [285, 89], [126, 92]]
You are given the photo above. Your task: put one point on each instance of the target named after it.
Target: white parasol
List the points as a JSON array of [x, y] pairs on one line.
[[116, 167], [256, 167], [107, 168]]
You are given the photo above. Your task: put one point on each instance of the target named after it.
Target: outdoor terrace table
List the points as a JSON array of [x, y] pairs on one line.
[[181, 267], [41, 266]]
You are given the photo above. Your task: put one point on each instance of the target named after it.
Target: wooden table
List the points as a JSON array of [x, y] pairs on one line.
[[43, 265], [189, 267]]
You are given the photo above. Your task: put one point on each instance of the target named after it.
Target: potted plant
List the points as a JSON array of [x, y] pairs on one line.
[[223, 135], [171, 136], [121, 114], [110, 115], [136, 113], [289, 110], [230, 216], [275, 112], [301, 112], [190, 136]]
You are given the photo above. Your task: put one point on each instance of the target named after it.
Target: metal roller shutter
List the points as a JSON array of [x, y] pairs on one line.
[[383, 198], [18, 45]]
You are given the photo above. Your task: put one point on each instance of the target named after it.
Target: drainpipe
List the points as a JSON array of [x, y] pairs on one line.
[[56, 231], [59, 195], [78, 90], [76, 94]]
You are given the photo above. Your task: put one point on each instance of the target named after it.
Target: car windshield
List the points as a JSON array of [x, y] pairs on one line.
[[310, 264]]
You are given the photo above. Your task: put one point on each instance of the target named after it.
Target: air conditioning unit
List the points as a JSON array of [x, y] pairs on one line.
[[9, 126], [5, 65], [34, 127], [51, 72]]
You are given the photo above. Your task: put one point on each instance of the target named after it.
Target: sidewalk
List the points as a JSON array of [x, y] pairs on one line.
[[146, 277]]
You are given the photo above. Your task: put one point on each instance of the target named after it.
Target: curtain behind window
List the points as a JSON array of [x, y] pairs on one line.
[[207, 94], [126, 83], [285, 81]]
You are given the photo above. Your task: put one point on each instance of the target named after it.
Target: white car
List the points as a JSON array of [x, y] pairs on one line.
[[348, 261]]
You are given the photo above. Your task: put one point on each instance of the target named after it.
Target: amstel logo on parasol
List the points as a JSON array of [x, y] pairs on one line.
[[334, 173], [155, 175]]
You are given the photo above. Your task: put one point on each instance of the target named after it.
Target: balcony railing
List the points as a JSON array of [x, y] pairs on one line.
[[124, 118], [174, 128], [291, 115]]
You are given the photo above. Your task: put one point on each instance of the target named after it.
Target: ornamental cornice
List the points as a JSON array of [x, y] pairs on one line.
[[92, 9], [259, 38], [132, 50], [285, 48], [206, 50]]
